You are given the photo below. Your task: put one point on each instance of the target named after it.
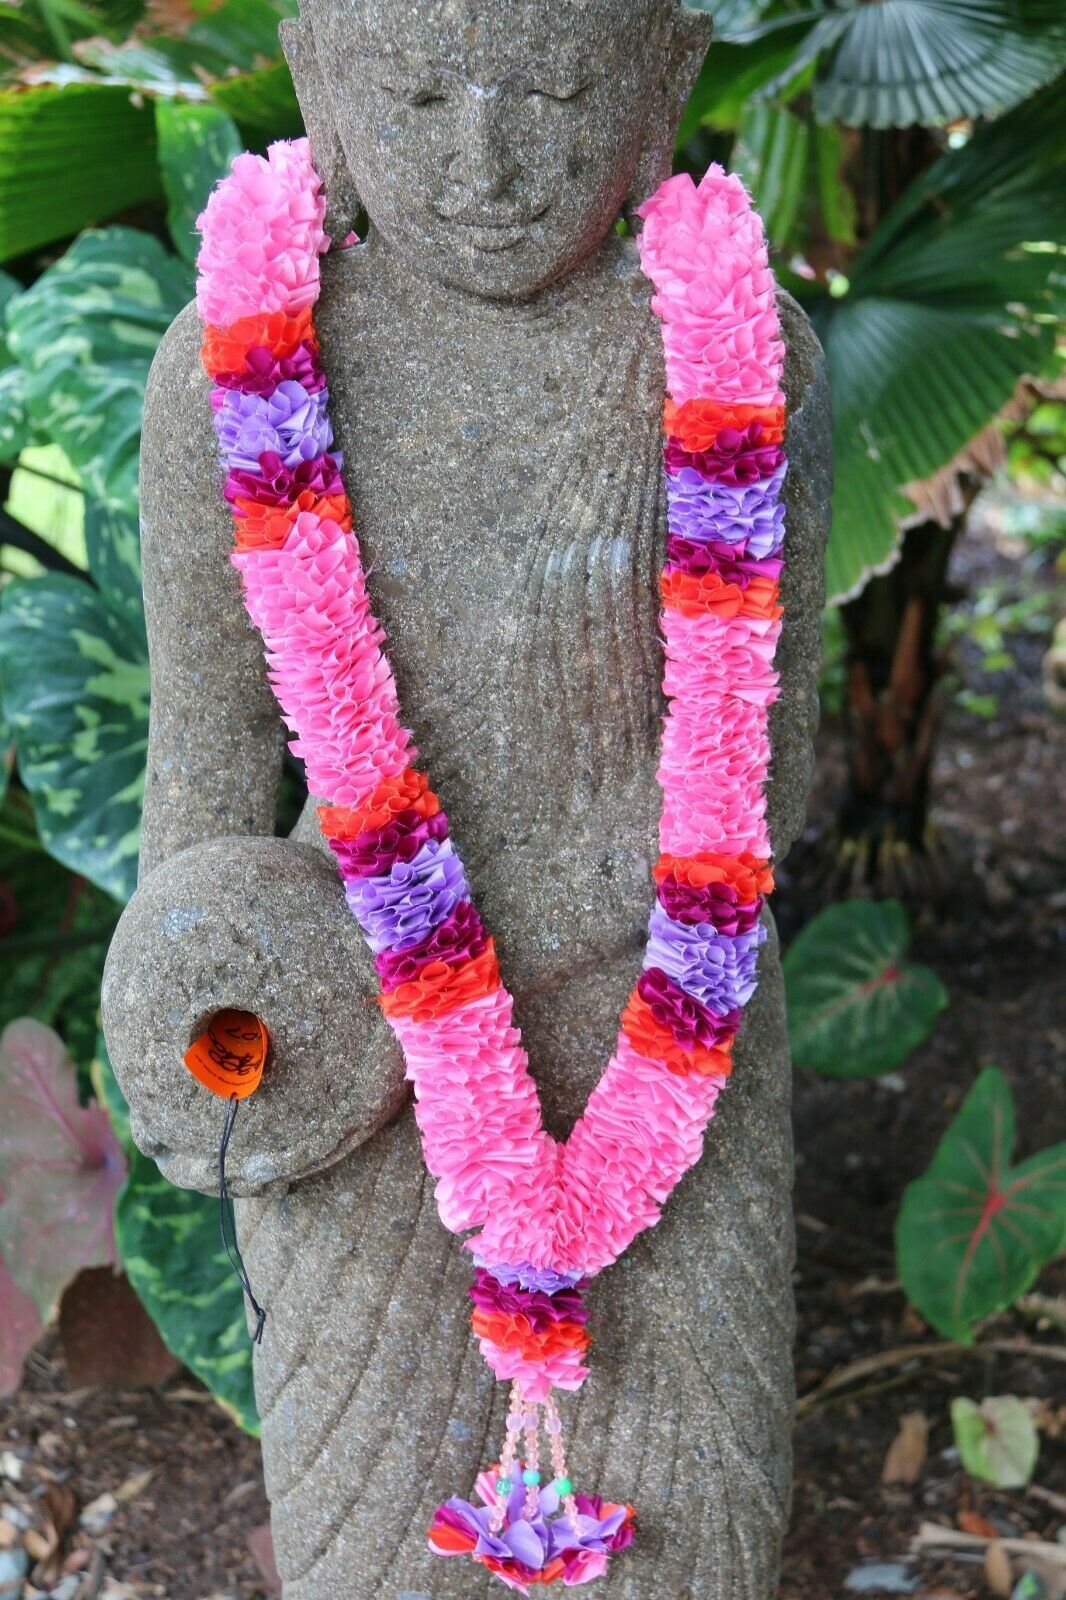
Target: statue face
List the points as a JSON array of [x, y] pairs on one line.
[[492, 143]]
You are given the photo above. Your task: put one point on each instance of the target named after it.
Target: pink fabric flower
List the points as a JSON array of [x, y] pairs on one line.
[[262, 237], [702, 247]]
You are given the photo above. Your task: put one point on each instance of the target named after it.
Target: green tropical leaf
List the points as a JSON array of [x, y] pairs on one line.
[[197, 146], [973, 1233], [903, 63], [113, 546], [261, 100], [46, 497], [856, 1007], [69, 157], [16, 431], [85, 333], [947, 307], [170, 1246], [770, 154], [74, 678], [54, 933], [997, 1439]]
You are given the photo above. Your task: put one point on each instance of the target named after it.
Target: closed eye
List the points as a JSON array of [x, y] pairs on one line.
[[560, 92]]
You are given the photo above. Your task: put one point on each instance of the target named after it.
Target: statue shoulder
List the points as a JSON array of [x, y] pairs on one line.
[[809, 443], [805, 378], [181, 499]]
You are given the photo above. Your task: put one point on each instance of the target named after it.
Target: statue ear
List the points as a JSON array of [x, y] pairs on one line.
[[327, 152], [683, 53]]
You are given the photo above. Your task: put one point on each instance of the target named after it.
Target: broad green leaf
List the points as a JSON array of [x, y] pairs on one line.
[[60, 1167], [973, 1233], [856, 1007], [263, 100], [197, 146], [54, 932], [45, 496], [15, 428], [85, 334], [997, 1439], [835, 198], [731, 74], [770, 154], [113, 546], [170, 1246], [902, 63], [947, 307], [69, 157], [74, 679]]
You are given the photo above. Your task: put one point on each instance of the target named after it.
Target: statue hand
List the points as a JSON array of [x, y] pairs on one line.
[[259, 924]]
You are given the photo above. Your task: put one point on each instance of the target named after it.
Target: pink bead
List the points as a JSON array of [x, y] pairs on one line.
[[553, 1425], [514, 1421]]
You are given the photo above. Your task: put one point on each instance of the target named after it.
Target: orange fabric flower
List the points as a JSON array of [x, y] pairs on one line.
[[696, 424], [654, 1041], [514, 1332], [440, 987], [697, 595], [226, 349], [747, 874], [407, 791], [261, 527], [450, 1541]]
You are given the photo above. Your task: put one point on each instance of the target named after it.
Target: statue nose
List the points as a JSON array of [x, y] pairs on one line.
[[484, 161]]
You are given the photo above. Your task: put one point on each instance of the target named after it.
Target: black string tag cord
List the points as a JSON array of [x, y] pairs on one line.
[[225, 1214]]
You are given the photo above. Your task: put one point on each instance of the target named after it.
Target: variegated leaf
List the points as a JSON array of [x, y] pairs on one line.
[[172, 1251], [85, 334], [74, 683]]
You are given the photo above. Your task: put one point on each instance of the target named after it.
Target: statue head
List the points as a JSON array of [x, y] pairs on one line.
[[492, 143]]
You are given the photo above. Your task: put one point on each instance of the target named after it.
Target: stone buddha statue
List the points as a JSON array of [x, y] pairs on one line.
[[496, 380]]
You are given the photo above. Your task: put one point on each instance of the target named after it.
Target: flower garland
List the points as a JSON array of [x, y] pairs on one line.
[[545, 1216]]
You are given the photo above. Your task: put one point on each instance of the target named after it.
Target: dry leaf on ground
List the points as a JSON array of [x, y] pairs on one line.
[[906, 1454]]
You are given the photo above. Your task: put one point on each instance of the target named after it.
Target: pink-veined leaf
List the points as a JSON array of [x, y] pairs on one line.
[[60, 1167], [20, 1328], [973, 1233]]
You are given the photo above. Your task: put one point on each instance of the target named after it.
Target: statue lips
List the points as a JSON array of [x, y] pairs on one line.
[[489, 233]]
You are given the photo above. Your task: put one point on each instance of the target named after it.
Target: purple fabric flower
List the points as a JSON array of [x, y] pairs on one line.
[[751, 516], [263, 371], [375, 851], [715, 969], [275, 484], [400, 909], [690, 1022], [525, 1545], [717, 903], [529, 1277], [541, 1309], [731, 562], [460, 937], [735, 458], [290, 423]]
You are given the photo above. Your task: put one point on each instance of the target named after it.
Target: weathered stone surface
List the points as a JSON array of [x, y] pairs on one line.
[[499, 409]]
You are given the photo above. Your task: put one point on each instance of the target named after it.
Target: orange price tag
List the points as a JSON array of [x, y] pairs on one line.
[[229, 1056]]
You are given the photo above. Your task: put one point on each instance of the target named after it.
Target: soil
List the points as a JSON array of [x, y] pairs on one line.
[[996, 942]]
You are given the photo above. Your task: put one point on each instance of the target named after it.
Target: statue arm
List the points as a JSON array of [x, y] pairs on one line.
[[808, 486], [226, 914]]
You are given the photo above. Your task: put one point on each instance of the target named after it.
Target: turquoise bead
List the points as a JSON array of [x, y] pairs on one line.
[[563, 1486], [504, 1485], [530, 1478]]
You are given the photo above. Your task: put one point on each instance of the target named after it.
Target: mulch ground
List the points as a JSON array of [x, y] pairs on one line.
[[179, 1488]]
